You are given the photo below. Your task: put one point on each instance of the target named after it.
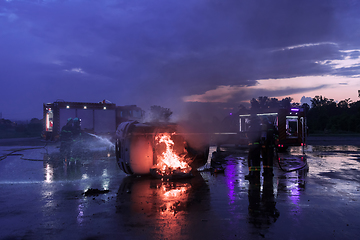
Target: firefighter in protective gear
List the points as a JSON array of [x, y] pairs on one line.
[[77, 128], [254, 137], [268, 148], [77, 138], [66, 137]]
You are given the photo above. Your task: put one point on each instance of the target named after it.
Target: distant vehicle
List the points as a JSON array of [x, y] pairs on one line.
[[290, 123], [97, 118]]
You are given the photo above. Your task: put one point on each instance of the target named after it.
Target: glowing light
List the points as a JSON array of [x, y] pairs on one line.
[[49, 174], [175, 192], [68, 106]]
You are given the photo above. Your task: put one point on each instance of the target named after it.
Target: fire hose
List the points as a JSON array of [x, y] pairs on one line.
[[290, 170], [14, 153]]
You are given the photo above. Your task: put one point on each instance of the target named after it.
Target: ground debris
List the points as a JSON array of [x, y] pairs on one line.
[[94, 192], [171, 173]]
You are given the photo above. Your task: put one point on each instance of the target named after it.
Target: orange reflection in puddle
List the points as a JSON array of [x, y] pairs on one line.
[[160, 206], [173, 197]]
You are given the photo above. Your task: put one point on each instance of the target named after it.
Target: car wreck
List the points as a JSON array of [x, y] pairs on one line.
[[159, 149]]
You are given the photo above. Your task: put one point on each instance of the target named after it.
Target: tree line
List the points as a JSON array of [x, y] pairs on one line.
[[328, 116], [323, 116], [11, 129]]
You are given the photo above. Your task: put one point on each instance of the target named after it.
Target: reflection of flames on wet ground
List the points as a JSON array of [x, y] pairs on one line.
[[173, 196], [172, 161], [165, 209]]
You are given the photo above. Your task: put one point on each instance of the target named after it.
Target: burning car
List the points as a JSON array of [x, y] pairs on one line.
[[155, 148]]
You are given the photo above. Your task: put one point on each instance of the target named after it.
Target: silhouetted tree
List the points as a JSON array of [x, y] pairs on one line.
[[344, 103], [274, 103], [306, 107], [34, 128], [286, 102], [254, 104]]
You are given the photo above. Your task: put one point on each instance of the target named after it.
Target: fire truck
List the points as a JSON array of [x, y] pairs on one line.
[[97, 118], [290, 124]]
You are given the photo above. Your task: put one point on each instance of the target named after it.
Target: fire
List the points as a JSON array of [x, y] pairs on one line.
[[169, 162], [169, 159]]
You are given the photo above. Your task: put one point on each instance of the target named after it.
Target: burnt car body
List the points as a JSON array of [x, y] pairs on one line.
[[137, 151]]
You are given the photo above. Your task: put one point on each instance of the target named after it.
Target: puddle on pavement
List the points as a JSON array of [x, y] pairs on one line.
[[21, 164]]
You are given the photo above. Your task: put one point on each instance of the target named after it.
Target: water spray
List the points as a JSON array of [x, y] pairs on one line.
[[103, 140]]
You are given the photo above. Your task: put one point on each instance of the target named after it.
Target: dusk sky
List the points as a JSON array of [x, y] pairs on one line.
[[206, 54]]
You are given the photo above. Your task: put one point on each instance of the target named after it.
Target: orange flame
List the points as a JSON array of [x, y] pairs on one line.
[[169, 160]]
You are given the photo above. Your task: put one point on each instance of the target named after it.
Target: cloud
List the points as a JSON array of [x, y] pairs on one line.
[[278, 88], [10, 16], [306, 45], [76, 70], [349, 59], [220, 94], [162, 52]]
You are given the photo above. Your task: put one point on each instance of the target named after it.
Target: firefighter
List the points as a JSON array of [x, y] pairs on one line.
[[77, 128], [77, 138], [254, 137], [264, 139], [268, 149], [264, 127], [66, 137]]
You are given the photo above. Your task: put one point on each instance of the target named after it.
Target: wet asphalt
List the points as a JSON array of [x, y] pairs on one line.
[[86, 196]]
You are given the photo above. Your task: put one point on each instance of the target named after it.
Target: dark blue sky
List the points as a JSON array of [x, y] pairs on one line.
[[173, 53]]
